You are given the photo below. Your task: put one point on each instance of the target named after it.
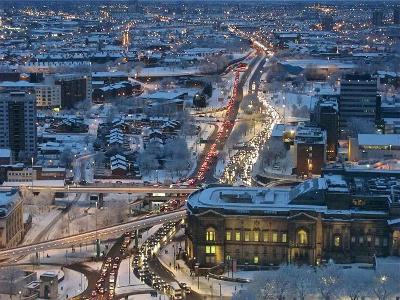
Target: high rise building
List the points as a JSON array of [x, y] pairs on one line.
[[18, 124], [396, 15], [358, 100], [74, 88], [326, 116], [310, 148]]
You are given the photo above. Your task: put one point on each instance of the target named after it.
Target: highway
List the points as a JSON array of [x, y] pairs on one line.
[[91, 236]]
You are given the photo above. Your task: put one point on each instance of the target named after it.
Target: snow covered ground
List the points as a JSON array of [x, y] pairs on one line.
[[71, 283], [202, 285]]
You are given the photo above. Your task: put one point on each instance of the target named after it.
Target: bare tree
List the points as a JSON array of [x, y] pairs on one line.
[[385, 283], [44, 199], [328, 281], [278, 285], [66, 157], [357, 126], [301, 281], [355, 287], [26, 195], [10, 275]]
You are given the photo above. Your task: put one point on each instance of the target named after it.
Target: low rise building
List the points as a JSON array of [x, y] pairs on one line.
[[374, 147], [318, 220], [310, 145], [11, 218]]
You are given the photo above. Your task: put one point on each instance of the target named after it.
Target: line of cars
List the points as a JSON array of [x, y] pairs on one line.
[[148, 250], [222, 134], [105, 284]]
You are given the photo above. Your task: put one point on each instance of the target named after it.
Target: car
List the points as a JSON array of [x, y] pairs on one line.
[[117, 259], [94, 293], [115, 266], [83, 182]]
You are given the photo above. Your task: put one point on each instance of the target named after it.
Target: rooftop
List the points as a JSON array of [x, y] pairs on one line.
[[379, 139]]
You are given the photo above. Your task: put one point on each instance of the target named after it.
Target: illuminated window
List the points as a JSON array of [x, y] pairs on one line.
[[377, 241], [302, 237], [353, 239], [228, 235], [247, 236], [210, 234], [237, 236], [265, 236], [337, 241], [255, 260], [274, 237], [361, 240], [256, 236], [284, 238], [210, 249]]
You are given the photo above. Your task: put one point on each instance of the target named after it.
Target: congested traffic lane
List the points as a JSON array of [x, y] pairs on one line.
[[145, 265], [207, 165]]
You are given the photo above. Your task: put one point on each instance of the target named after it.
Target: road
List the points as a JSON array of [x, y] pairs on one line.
[[91, 236], [112, 189]]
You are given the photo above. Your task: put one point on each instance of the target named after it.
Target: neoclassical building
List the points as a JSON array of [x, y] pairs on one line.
[[318, 220]]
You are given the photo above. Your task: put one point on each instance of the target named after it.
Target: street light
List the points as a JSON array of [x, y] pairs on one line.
[[196, 269]]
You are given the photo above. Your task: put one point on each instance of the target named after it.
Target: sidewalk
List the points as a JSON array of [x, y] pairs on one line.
[[202, 285]]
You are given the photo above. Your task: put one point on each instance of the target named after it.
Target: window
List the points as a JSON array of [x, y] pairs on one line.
[[210, 259], [228, 235], [255, 260], [210, 249], [237, 236], [302, 237], [361, 240], [385, 242], [337, 241], [274, 237], [369, 238], [353, 239], [376, 241], [210, 234], [256, 236], [247, 236], [284, 238], [265, 236]]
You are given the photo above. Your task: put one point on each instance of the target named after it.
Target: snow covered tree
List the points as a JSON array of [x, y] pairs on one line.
[[44, 199], [301, 282], [385, 283], [328, 281], [10, 275], [147, 162]]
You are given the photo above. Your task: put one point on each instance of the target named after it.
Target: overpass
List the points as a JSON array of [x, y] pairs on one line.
[[92, 236], [112, 189]]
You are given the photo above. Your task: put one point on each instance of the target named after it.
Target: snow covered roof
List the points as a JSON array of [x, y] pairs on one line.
[[7, 200], [5, 152], [162, 95], [246, 199], [379, 139]]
